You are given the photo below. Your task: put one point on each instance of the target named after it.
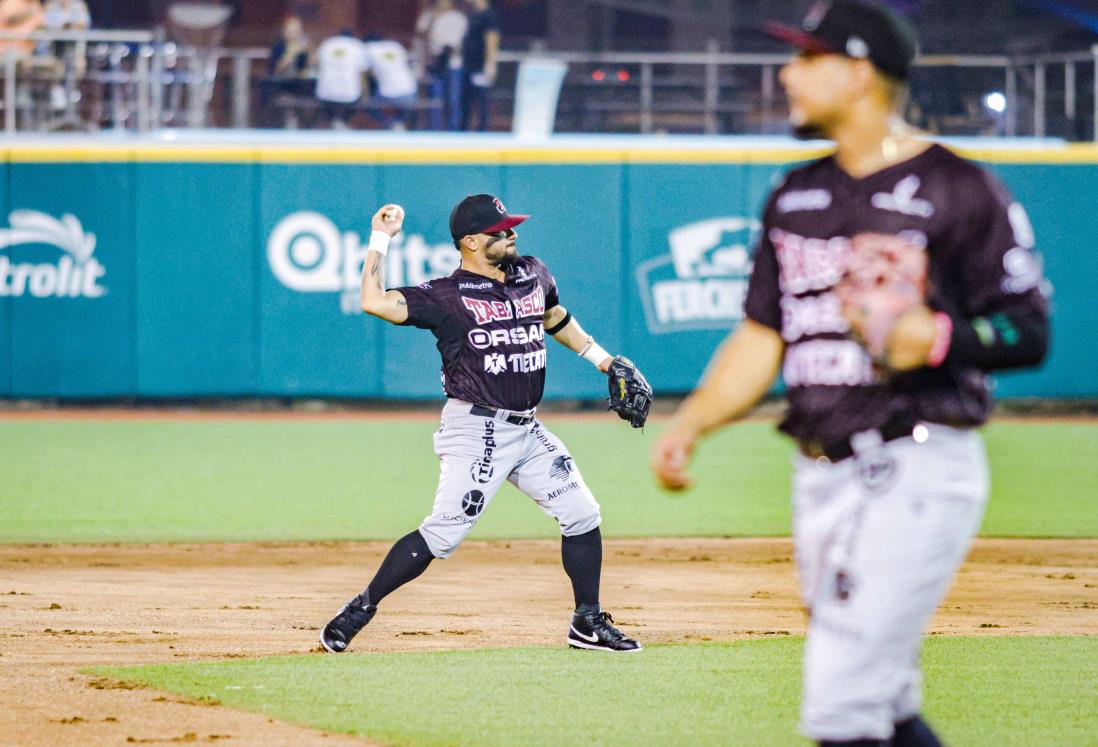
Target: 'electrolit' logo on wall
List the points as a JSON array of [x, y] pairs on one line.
[[308, 253], [701, 284], [75, 274]]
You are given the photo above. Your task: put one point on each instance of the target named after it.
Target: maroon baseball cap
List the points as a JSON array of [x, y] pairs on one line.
[[858, 29], [481, 214]]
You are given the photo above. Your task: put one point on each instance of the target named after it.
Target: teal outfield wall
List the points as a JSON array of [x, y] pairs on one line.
[[186, 273]]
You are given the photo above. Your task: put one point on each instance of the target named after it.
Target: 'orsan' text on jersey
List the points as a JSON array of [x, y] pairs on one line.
[[980, 248], [491, 335]]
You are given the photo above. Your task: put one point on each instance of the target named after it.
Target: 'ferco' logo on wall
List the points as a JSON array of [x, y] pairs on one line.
[[75, 274], [701, 284], [308, 253]]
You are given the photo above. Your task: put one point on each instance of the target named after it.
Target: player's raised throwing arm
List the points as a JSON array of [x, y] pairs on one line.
[[387, 305]]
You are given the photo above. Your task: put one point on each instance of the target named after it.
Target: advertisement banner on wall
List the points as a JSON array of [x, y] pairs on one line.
[[690, 256], [197, 327], [5, 301], [67, 268], [166, 280]]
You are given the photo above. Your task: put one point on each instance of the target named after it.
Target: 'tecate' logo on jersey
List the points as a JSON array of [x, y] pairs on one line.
[[701, 284], [495, 363], [75, 274]]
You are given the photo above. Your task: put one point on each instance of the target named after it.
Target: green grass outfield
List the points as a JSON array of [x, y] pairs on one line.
[[982, 691], [209, 480]]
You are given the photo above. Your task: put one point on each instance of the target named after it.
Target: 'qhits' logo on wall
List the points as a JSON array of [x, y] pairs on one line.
[[75, 274], [701, 284], [308, 253]]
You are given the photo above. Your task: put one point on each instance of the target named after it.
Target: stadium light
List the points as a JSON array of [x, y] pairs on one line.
[[996, 102]]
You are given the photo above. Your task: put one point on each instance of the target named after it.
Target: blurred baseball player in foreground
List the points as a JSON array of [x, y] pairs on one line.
[[889, 277], [491, 318]]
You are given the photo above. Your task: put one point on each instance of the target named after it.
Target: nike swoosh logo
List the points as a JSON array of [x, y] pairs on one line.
[[593, 639]]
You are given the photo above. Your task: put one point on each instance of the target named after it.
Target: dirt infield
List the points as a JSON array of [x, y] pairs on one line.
[[68, 607]]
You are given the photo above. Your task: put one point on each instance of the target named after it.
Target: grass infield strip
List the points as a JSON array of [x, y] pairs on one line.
[[982, 691], [192, 480]]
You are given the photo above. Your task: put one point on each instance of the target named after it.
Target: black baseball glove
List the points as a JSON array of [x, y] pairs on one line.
[[630, 393]]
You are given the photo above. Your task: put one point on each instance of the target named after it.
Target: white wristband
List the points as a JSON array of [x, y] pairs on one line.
[[594, 352], [379, 242]]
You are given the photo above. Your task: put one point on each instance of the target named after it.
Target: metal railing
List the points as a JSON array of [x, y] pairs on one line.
[[123, 80], [139, 81]]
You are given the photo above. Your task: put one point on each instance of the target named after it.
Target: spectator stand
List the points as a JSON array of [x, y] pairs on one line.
[[139, 81]]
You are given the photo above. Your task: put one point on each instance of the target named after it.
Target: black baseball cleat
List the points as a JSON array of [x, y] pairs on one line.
[[338, 633], [594, 631]]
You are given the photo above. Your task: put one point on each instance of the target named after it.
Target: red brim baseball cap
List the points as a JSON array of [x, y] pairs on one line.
[[481, 213], [860, 29], [798, 38], [509, 222]]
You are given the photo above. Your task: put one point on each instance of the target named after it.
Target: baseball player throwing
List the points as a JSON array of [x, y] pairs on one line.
[[889, 277], [490, 319]]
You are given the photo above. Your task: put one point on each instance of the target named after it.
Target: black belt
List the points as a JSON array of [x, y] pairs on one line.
[[488, 412], [839, 450]]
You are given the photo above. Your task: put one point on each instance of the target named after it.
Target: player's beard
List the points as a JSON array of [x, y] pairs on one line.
[[509, 255]]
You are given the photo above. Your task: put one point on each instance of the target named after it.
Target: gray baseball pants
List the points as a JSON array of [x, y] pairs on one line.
[[478, 453], [878, 538]]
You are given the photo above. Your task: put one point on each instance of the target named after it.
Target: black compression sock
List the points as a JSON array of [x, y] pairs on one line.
[[582, 557], [408, 558], [915, 732]]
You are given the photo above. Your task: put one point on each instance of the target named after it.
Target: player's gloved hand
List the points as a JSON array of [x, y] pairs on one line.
[[630, 393], [885, 280]]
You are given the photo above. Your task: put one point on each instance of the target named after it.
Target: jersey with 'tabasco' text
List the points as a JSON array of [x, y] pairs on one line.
[[491, 335], [981, 260]]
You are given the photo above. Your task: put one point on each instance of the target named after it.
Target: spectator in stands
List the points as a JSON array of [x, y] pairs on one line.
[[67, 15], [23, 17], [290, 54], [387, 62], [442, 29], [341, 64], [479, 57]]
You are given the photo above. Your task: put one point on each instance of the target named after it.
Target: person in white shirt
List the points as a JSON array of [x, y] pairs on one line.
[[341, 63], [67, 15], [443, 28], [387, 62]]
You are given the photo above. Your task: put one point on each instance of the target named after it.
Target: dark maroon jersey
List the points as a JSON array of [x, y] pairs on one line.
[[491, 335], [980, 248]]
